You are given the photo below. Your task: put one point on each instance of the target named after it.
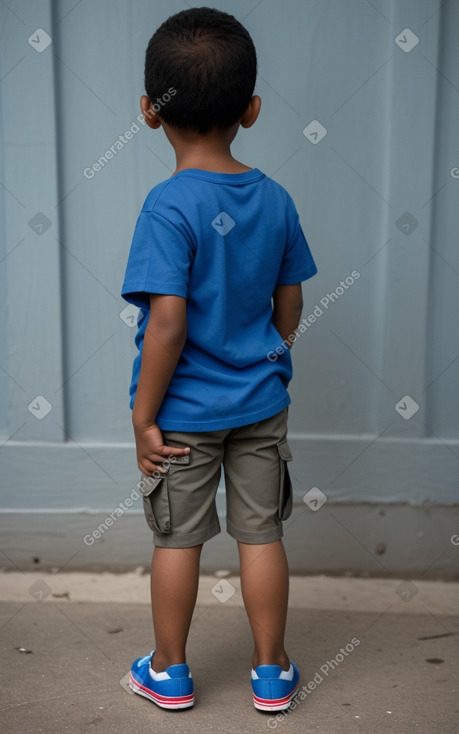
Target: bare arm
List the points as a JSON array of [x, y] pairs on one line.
[[288, 305], [164, 340]]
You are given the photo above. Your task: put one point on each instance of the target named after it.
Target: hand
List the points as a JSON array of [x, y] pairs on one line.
[[151, 450]]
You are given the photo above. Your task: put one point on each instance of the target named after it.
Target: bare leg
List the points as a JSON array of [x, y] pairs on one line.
[[264, 585], [174, 587]]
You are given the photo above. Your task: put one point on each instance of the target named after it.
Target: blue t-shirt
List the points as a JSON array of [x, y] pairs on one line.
[[222, 241]]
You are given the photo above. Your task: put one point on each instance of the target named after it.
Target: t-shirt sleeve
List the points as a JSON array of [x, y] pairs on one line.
[[297, 263], [159, 260]]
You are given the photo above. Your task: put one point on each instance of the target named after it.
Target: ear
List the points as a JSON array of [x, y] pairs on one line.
[[252, 112], [151, 117]]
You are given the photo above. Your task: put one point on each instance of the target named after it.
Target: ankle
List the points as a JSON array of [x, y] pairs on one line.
[[159, 662], [281, 658]]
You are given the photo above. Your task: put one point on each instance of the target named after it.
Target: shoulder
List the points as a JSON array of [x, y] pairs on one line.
[[275, 193], [159, 195], [276, 190], [173, 201]]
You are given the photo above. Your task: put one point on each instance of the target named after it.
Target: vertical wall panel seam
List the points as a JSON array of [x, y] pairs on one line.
[[430, 322], [4, 380], [58, 118], [381, 294]]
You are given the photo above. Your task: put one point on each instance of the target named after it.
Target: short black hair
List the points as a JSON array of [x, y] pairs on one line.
[[200, 70]]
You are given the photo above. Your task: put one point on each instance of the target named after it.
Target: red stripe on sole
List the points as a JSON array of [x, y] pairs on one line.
[[276, 701], [163, 699]]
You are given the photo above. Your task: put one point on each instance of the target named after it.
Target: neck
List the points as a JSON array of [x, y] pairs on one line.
[[211, 152]]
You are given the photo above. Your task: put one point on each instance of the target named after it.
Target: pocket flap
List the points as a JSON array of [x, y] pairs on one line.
[[148, 483], [284, 450]]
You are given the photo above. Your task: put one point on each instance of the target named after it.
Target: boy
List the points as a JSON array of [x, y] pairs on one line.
[[216, 265]]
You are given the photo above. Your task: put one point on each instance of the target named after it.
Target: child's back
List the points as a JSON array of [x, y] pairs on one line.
[[223, 241]]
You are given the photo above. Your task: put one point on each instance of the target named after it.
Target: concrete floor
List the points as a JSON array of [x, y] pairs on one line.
[[65, 658]]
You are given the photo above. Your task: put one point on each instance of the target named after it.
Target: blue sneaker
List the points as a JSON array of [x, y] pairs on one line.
[[274, 688], [171, 689]]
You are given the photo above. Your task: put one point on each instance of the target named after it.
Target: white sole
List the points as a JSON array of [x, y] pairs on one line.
[[275, 707], [162, 704]]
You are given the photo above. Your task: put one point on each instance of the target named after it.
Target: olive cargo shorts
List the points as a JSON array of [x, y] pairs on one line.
[[180, 505]]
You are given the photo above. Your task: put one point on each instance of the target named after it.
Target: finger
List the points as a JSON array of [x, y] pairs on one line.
[[174, 451], [149, 467], [144, 469], [162, 464], [156, 459]]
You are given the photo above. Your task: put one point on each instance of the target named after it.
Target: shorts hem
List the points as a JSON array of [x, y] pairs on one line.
[[254, 537], [186, 540]]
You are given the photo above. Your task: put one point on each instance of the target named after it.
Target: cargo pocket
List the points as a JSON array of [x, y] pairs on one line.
[[285, 490], [156, 504]]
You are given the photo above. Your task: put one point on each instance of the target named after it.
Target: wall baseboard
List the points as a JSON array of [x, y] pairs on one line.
[[354, 539]]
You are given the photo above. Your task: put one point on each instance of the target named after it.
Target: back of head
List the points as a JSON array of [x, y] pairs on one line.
[[208, 58]]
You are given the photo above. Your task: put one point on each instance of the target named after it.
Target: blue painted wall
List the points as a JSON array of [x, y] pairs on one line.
[[375, 399]]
